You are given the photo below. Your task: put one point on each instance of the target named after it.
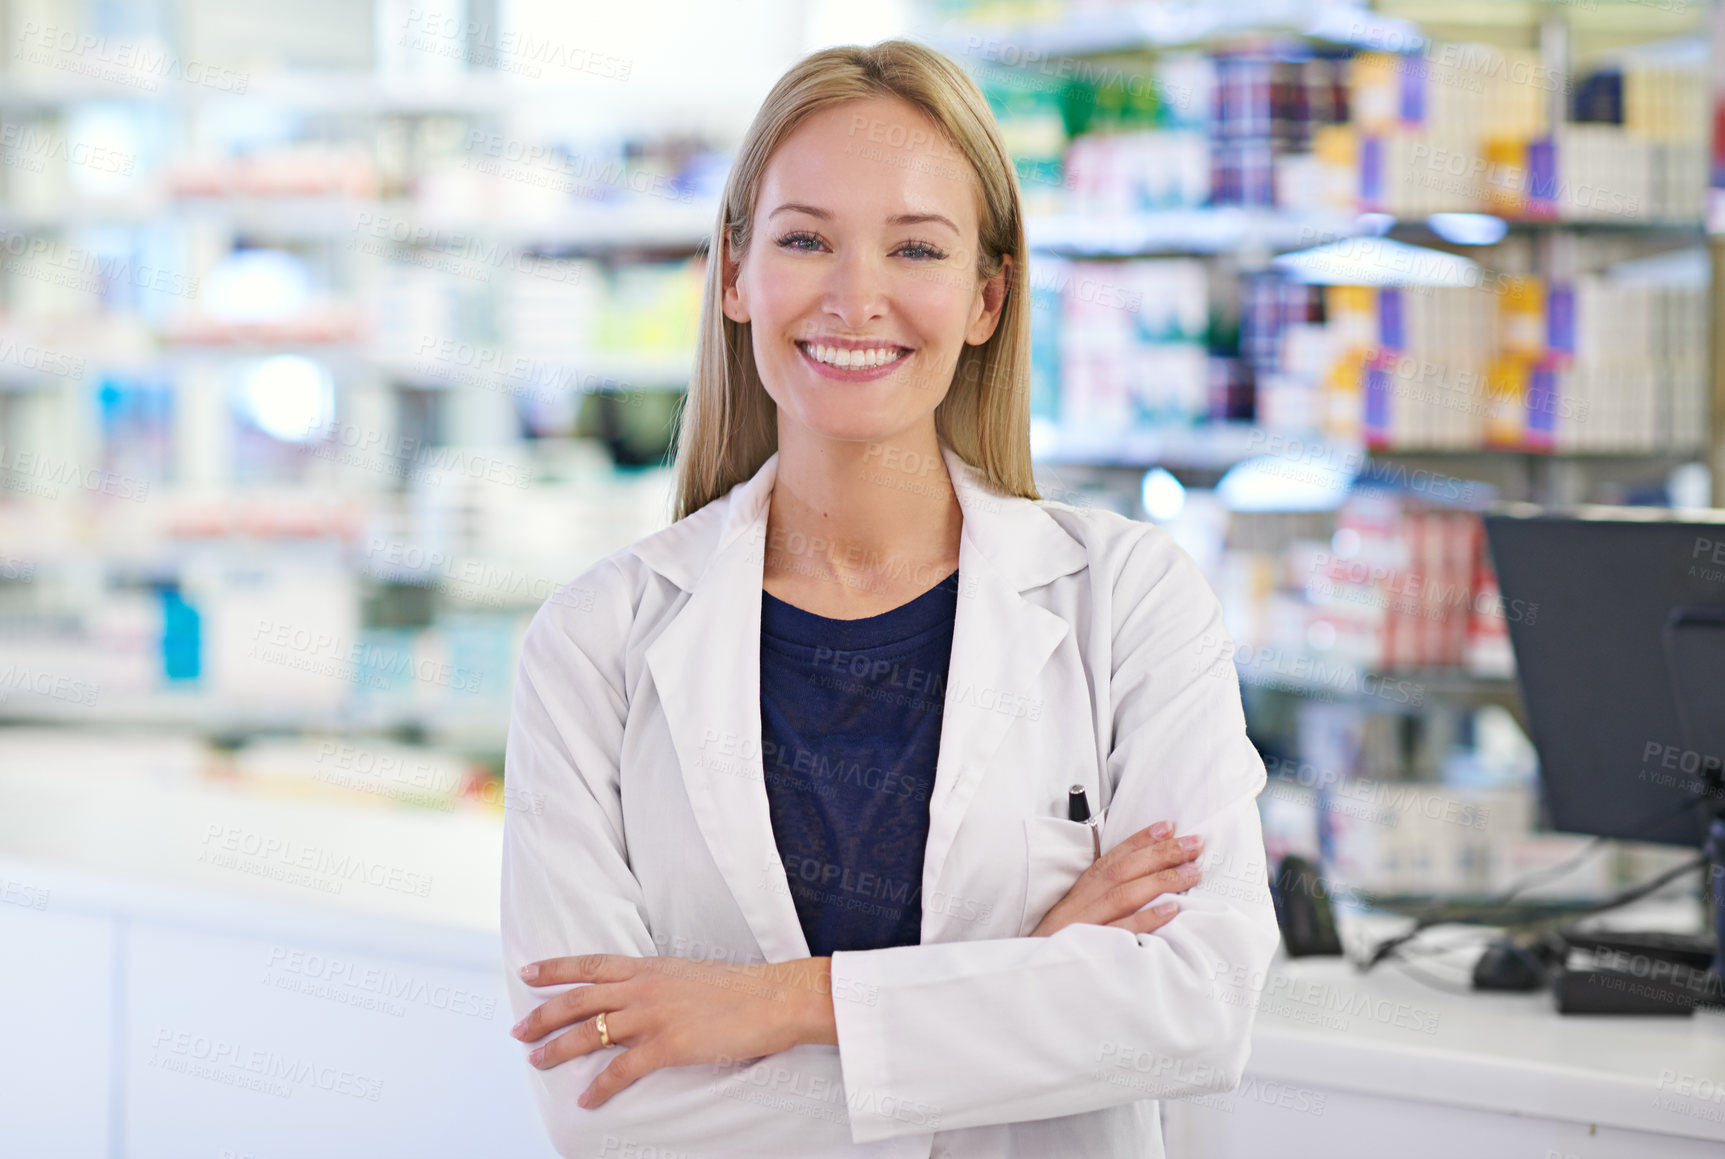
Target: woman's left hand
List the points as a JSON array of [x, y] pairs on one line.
[[675, 1012]]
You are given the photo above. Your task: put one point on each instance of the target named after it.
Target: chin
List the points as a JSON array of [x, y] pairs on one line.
[[854, 424]]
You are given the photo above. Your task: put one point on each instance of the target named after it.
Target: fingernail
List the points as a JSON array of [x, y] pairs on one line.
[[518, 1028], [530, 971], [1191, 870], [1163, 908], [536, 1055], [1161, 829], [586, 1097], [1191, 843]]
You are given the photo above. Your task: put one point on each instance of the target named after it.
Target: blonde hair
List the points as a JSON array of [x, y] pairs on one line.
[[727, 425]]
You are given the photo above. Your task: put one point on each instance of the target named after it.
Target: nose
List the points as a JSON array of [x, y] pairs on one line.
[[856, 291]]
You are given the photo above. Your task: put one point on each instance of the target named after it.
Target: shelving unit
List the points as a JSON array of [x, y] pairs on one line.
[[1291, 716]]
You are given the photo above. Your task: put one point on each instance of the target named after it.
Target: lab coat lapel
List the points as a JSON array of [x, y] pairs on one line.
[[706, 668], [1000, 644]]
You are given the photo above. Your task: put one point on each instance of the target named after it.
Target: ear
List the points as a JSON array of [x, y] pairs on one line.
[[992, 301], [735, 302]]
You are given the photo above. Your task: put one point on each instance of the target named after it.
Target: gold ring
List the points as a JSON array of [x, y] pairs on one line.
[[604, 1037]]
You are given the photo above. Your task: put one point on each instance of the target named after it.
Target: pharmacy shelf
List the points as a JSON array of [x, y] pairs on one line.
[[1213, 446], [1229, 229], [677, 226], [1151, 25], [1217, 446], [204, 714], [1410, 689], [343, 92], [1198, 230]]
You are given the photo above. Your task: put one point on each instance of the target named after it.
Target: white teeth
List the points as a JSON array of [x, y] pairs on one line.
[[854, 359]]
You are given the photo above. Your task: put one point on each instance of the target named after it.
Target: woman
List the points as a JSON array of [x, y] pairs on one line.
[[800, 878]]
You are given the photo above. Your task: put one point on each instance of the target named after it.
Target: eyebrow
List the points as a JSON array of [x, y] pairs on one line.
[[900, 219]]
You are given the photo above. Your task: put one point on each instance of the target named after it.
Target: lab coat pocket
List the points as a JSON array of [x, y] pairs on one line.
[[1057, 852]]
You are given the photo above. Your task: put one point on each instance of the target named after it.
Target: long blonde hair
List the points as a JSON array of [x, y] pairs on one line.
[[727, 425]]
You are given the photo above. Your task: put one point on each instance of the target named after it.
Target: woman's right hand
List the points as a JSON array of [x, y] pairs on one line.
[[1119, 884]]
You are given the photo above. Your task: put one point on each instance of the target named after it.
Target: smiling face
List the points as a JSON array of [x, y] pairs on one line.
[[860, 281]]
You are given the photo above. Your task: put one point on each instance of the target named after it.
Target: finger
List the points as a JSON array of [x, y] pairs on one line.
[[568, 1008], [581, 968], [1149, 835], [1149, 919], [624, 1069], [1130, 896], [583, 1038], [1158, 856]]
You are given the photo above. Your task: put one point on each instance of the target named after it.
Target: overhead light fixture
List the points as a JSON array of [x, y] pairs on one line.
[[1468, 228], [289, 397], [1162, 494], [1378, 261], [1275, 483], [1375, 224]]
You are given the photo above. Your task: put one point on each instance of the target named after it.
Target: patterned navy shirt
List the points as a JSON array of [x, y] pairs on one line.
[[850, 730]]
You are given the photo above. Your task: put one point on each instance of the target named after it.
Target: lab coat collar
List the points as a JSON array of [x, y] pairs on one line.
[[706, 672], [1016, 535]]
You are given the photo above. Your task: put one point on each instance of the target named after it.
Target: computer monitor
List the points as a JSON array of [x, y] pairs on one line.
[[1617, 618]]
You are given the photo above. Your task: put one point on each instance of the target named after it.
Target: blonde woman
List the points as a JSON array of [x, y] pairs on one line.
[[808, 870]]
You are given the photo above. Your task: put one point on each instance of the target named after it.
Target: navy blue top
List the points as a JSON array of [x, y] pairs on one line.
[[850, 729]]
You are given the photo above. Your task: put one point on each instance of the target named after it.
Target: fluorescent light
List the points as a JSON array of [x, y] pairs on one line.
[[1378, 261], [1162, 495], [289, 397], [1275, 483], [1468, 228]]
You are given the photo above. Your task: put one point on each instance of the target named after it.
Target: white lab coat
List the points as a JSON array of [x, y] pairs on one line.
[[1087, 650]]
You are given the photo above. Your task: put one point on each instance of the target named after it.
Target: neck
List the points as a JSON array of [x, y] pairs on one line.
[[857, 513]]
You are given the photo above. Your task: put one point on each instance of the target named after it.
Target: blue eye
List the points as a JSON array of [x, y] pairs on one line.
[[922, 249], [790, 239]]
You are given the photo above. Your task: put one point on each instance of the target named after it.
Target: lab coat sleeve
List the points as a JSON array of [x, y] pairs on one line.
[[568, 889], [1004, 1030]]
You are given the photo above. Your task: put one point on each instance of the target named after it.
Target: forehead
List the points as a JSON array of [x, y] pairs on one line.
[[865, 161]]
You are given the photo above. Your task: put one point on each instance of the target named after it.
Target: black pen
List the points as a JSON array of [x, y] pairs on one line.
[[1078, 809]]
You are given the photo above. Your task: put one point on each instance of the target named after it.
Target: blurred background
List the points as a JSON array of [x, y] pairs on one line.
[[335, 336]]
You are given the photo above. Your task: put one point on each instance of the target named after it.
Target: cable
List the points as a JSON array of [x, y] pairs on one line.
[[1450, 912], [1634, 893]]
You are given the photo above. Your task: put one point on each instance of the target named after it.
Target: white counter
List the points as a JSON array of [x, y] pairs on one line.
[[1347, 1065]]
